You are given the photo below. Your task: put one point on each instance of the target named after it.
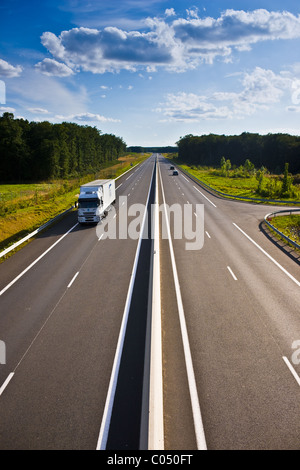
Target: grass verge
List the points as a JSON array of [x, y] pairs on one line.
[[25, 207], [289, 225]]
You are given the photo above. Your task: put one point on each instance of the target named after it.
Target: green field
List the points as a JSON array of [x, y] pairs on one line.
[[25, 207]]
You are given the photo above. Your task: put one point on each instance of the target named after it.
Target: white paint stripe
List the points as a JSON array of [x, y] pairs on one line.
[[119, 186], [70, 283], [292, 370], [204, 196], [269, 256], [208, 234], [36, 261], [104, 428], [198, 424], [6, 382], [184, 178], [156, 413], [129, 177], [101, 235], [232, 273]]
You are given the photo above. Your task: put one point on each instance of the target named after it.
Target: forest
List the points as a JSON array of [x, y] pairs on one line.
[[41, 151], [271, 151]]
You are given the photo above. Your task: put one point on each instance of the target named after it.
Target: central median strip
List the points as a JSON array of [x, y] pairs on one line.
[[121, 421]]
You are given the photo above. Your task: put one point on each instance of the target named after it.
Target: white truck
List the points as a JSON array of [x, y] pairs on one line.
[[95, 199]]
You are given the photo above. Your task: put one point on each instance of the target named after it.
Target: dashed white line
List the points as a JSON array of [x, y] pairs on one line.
[[73, 279], [119, 186], [185, 178], [10, 376], [34, 262], [204, 196], [232, 273], [292, 370], [208, 234]]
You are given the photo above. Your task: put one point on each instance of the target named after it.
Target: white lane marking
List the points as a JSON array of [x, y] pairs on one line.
[[232, 273], [185, 178], [102, 234], [129, 177], [156, 409], [36, 261], [292, 370], [198, 424], [208, 234], [73, 279], [269, 256], [119, 186], [10, 376], [106, 418], [204, 196]]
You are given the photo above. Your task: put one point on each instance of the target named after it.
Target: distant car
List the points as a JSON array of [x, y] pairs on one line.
[[175, 173], [171, 167]]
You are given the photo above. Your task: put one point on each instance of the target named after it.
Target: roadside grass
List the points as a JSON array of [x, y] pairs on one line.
[[236, 186], [25, 207], [289, 225]]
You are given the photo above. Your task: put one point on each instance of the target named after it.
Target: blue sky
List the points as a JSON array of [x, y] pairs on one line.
[[151, 71]]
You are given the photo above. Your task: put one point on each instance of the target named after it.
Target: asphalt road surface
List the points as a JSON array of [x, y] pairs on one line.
[[230, 327]]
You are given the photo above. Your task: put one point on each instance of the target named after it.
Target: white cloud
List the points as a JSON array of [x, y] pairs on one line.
[[175, 44], [260, 90], [86, 117], [53, 68], [38, 110], [6, 109], [9, 71], [170, 12]]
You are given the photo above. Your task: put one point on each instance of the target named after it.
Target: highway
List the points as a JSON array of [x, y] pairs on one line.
[[75, 309]]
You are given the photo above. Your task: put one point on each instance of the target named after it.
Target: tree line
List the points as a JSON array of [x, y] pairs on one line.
[[40, 151], [271, 151]]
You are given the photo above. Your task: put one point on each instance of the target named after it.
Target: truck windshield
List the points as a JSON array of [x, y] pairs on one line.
[[88, 203]]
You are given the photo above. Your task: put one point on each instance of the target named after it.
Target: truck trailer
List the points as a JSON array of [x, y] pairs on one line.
[[95, 200]]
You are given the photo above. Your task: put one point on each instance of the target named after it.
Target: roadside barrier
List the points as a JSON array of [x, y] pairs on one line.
[[268, 219], [35, 232]]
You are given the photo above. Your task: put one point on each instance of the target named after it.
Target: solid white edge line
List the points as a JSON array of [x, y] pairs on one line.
[[205, 196], [36, 261], [268, 256], [232, 273], [292, 370], [105, 423], [73, 279], [10, 376], [156, 414], [198, 424]]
